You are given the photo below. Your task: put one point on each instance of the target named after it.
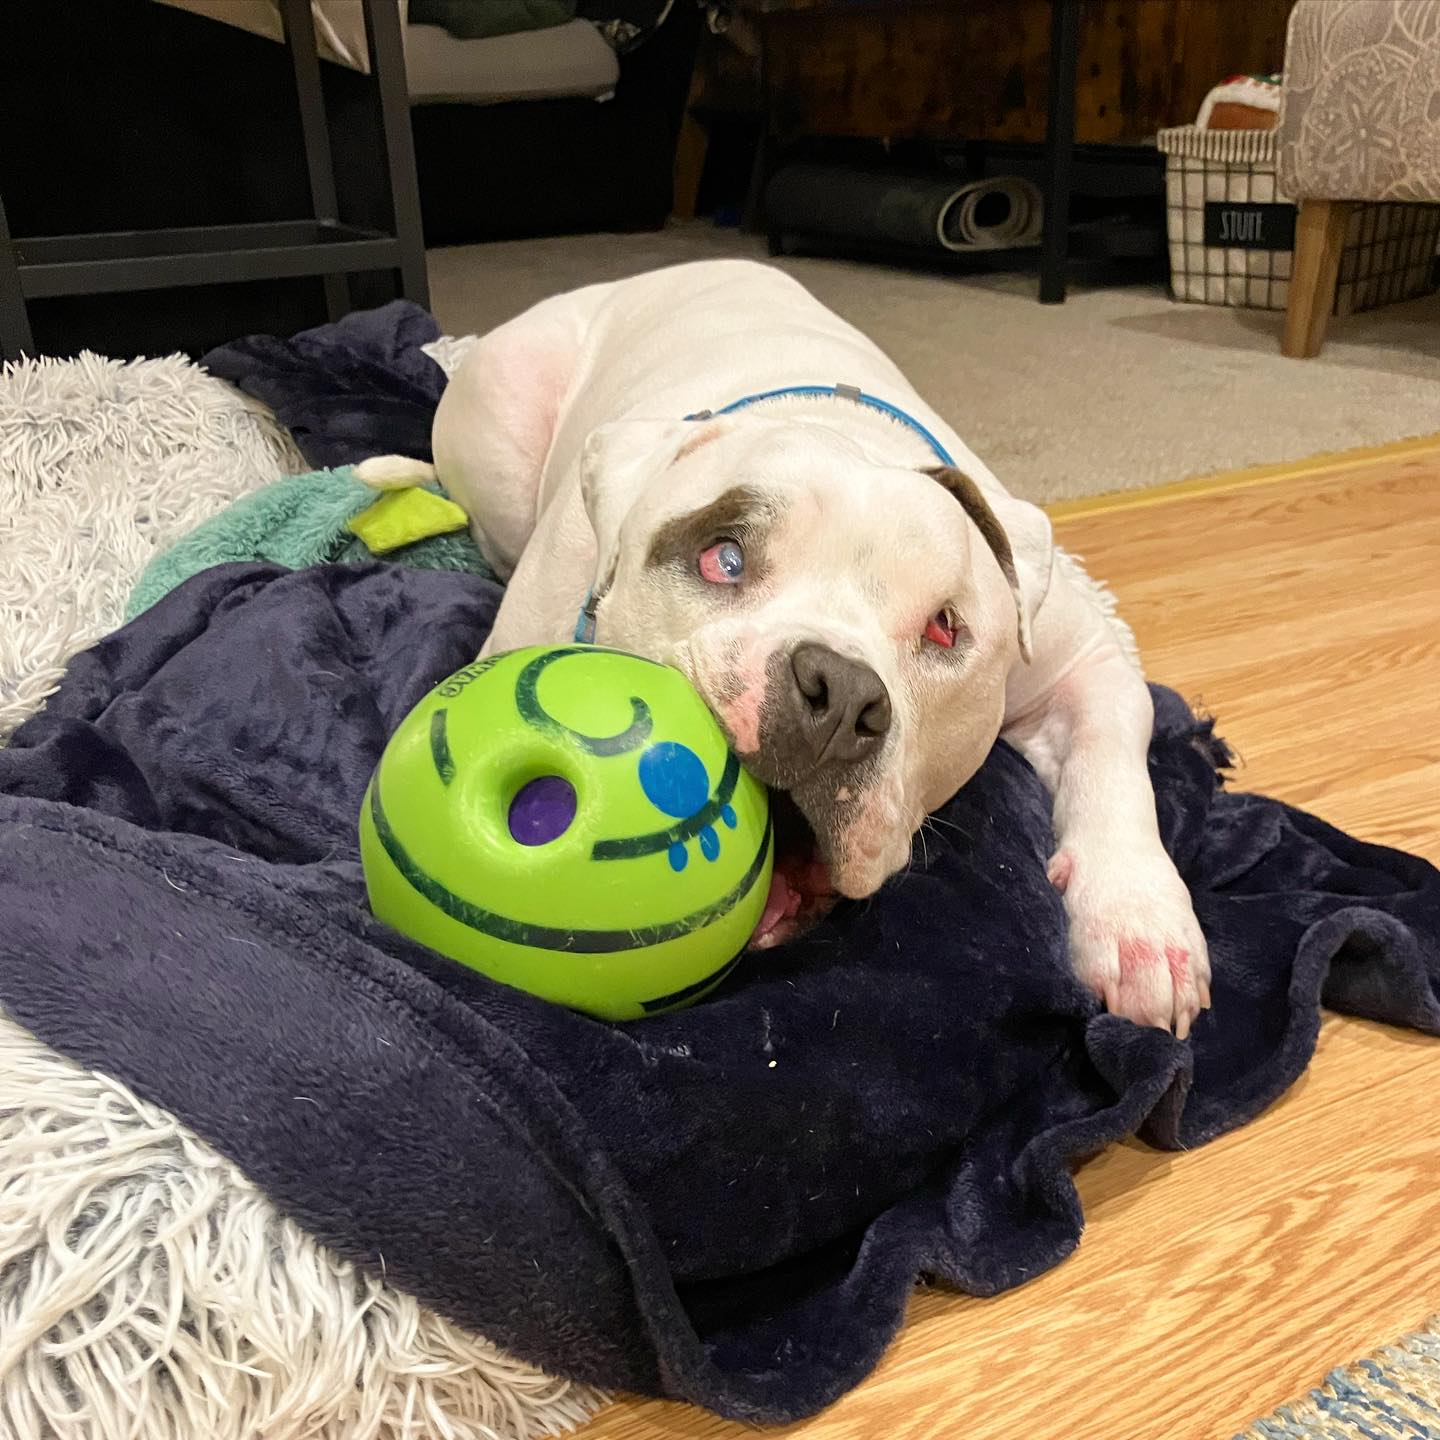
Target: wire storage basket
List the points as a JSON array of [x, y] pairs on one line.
[[1232, 233]]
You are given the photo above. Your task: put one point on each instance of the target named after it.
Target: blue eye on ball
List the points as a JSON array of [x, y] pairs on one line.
[[731, 559]]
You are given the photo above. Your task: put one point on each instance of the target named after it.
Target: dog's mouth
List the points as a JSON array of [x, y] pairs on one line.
[[800, 887]]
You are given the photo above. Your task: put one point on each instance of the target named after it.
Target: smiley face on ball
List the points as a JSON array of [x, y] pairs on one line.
[[570, 820]]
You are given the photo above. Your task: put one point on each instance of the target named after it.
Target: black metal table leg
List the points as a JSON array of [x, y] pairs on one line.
[[387, 66], [1059, 147], [15, 337], [315, 127]]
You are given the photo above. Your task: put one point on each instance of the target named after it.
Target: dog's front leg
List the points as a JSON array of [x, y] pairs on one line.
[[1134, 939]]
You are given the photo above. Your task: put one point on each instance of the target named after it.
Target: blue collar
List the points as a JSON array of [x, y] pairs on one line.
[[585, 624], [841, 392]]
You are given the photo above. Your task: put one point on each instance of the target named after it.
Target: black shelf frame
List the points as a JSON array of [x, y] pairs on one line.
[[38, 267], [1059, 149]]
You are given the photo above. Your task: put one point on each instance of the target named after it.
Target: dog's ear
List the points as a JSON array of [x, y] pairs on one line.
[[1020, 538], [617, 465]]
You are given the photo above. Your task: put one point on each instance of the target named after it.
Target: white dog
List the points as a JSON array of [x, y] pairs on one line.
[[705, 466]]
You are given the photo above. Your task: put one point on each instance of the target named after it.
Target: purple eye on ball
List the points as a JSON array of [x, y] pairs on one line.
[[542, 811]]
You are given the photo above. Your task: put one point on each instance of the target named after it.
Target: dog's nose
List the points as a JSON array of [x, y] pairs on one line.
[[842, 705]]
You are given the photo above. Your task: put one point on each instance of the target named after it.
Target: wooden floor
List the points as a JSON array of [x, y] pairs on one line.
[[1213, 1285]]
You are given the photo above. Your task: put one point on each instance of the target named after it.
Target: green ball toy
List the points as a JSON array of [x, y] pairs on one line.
[[570, 821]]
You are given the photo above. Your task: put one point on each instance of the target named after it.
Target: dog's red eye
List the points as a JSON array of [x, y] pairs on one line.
[[941, 630], [723, 563]]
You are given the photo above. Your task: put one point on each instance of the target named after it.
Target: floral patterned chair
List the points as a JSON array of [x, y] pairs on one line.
[[1360, 120]]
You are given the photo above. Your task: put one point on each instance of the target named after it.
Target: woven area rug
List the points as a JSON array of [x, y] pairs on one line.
[[1392, 1394]]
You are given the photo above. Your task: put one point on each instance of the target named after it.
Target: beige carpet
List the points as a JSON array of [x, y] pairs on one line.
[[1117, 388]]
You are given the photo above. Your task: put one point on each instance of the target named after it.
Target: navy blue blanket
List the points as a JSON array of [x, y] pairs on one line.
[[359, 387], [729, 1204]]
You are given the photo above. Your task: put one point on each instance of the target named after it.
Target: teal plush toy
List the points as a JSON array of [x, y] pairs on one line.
[[327, 517]]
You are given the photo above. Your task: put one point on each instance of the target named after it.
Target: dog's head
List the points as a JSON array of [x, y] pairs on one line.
[[850, 622]]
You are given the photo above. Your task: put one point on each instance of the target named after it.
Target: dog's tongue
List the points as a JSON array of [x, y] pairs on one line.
[[795, 884], [782, 903]]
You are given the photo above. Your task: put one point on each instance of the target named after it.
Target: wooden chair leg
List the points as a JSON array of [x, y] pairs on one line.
[[1319, 240], [690, 151]]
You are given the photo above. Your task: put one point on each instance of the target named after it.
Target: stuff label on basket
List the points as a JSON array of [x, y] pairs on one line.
[[1246, 225]]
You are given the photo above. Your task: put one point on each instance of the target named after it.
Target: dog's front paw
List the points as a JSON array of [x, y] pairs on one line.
[[1134, 939]]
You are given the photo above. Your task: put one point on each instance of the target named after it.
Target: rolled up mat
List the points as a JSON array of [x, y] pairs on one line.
[[1012, 221], [915, 211]]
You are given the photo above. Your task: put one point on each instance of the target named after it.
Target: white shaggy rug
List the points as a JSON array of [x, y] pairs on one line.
[[102, 464], [148, 1291]]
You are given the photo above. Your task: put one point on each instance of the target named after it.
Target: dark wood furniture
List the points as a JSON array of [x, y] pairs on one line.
[[1058, 72], [947, 69]]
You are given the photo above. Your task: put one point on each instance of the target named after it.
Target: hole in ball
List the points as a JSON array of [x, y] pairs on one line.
[[542, 810]]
